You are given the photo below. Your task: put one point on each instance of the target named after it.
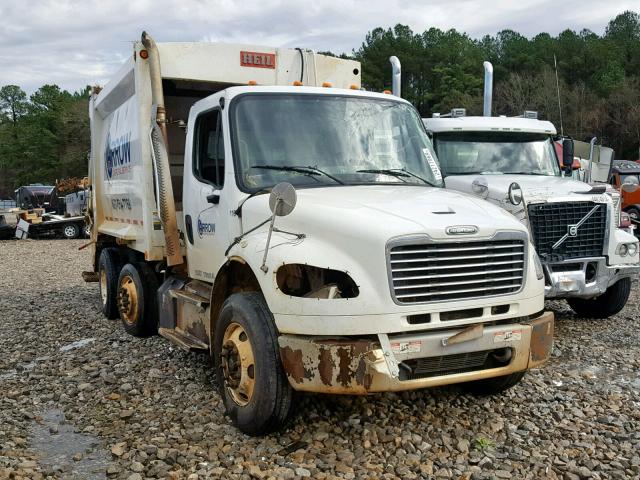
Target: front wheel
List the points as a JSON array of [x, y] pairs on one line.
[[492, 386], [603, 306], [71, 231], [251, 381]]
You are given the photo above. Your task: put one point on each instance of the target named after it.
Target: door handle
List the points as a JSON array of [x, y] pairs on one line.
[[214, 198], [189, 226]]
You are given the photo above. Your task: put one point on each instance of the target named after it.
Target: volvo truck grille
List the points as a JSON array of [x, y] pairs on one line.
[[559, 233], [430, 272]]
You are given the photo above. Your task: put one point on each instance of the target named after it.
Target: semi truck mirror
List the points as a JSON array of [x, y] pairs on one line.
[[567, 153], [283, 199]]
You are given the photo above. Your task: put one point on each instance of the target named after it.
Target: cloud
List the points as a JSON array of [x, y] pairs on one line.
[[74, 43]]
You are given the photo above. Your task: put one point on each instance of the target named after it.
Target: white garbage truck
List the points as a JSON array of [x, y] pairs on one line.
[[254, 203], [511, 161]]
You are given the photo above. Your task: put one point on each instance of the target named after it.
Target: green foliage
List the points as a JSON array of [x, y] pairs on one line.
[[443, 69], [43, 138], [46, 136]]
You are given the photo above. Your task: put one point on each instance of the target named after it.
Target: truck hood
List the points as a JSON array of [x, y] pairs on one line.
[[534, 187], [384, 212]]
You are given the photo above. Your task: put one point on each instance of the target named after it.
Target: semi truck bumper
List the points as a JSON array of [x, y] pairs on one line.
[[584, 278], [359, 366]]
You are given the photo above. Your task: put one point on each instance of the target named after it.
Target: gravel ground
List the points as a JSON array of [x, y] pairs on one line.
[[81, 399]]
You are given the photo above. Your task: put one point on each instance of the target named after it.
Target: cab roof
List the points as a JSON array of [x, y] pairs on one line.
[[489, 124]]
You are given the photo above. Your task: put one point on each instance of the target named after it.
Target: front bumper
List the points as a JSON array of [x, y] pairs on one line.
[[350, 365], [576, 278]]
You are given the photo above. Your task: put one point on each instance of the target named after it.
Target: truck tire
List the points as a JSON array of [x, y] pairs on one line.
[[492, 386], [605, 305], [256, 393], [137, 299], [71, 231], [109, 266]]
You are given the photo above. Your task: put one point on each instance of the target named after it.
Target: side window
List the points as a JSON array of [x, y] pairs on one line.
[[208, 164]]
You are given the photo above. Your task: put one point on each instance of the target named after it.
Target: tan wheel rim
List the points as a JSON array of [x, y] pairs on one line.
[[128, 300], [238, 364], [103, 286]]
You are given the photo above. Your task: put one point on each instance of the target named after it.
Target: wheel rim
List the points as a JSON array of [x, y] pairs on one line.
[[128, 300], [238, 364], [70, 231], [103, 286]]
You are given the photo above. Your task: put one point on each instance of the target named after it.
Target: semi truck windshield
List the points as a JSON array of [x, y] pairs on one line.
[[465, 153], [311, 140]]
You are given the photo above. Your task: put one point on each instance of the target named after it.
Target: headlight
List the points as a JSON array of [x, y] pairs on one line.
[[538, 266], [623, 249], [632, 248]]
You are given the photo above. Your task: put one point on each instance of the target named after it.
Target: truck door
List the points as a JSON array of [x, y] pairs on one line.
[[206, 210]]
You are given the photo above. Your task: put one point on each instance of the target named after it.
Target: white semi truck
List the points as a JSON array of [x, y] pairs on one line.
[[365, 277], [588, 259]]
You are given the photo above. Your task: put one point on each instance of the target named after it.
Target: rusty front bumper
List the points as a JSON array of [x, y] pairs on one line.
[[361, 366]]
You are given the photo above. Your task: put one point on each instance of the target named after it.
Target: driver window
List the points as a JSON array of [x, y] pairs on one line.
[[208, 165]]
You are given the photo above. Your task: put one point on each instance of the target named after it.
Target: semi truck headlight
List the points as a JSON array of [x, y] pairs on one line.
[[632, 248], [623, 249], [538, 266]]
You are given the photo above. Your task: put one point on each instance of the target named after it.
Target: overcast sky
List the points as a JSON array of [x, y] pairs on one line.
[[77, 42]]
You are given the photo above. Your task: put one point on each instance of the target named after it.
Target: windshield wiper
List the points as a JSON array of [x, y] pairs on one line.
[[299, 169], [397, 172]]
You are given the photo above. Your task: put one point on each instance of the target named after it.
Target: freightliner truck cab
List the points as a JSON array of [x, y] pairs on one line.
[[300, 234]]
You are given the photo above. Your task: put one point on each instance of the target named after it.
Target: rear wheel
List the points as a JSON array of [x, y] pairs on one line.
[[109, 266], [251, 381], [71, 231], [492, 386], [605, 305], [137, 299]]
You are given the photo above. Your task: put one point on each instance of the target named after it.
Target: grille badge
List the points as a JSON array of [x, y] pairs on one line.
[[572, 230], [461, 230]]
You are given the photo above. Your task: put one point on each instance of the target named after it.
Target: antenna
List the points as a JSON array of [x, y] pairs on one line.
[[555, 64]]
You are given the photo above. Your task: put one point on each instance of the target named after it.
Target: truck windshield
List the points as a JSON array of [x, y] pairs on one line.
[[312, 140], [464, 153]]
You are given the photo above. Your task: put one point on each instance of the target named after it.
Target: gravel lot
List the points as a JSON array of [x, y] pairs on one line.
[[81, 399]]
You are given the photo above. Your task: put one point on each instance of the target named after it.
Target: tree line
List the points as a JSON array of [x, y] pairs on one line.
[[45, 136]]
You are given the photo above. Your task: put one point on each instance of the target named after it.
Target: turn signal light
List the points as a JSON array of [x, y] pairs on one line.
[[353, 86], [327, 84], [388, 92], [144, 54], [252, 82], [297, 83]]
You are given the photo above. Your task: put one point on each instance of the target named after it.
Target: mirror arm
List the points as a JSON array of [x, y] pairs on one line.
[[264, 267]]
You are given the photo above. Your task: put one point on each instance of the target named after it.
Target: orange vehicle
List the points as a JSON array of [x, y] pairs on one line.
[[625, 176]]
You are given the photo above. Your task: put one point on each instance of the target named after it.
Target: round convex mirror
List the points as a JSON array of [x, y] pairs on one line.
[[515, 194], [283, 199]]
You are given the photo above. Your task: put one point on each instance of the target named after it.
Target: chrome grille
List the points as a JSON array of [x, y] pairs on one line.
[[550, 222], [430, 272]]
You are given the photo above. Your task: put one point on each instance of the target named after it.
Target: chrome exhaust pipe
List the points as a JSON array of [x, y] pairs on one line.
[[488, 88], [396, 75]]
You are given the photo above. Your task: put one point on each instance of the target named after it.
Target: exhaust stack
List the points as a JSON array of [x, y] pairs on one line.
[[158, 136], [488, 88], [396, 75]]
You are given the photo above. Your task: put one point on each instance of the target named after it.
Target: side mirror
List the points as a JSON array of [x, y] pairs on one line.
[[283, 199], [567, 153], [515, 194]]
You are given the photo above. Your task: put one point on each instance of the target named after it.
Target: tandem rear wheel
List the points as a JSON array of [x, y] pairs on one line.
[[256, 393], [137, 299]]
